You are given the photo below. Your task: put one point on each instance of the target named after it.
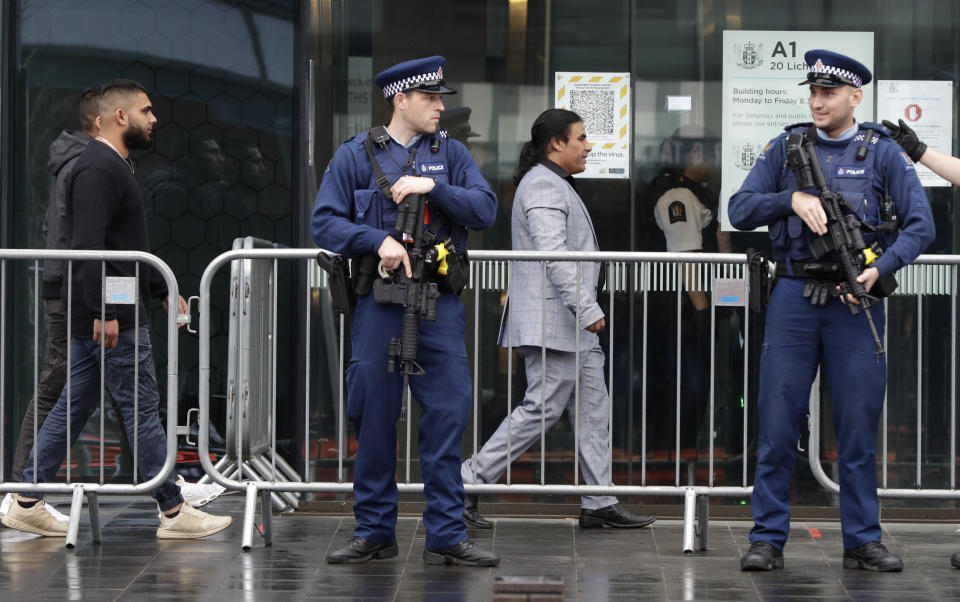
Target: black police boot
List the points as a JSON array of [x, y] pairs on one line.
[[471, 514], [615, 516], [955, 560], [465, 553], [873, 556], [359, 550], [762, 556]]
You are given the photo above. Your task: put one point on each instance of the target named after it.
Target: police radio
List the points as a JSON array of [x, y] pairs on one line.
[[864, 148]]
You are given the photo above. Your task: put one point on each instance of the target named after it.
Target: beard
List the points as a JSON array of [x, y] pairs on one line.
[[136, 138]]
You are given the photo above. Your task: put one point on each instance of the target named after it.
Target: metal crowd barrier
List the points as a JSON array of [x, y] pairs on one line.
[[929, 275], [251, 372], [723, 274], [79, 489]]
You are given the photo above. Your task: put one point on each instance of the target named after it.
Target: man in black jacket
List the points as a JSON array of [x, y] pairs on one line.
[[107, 212]]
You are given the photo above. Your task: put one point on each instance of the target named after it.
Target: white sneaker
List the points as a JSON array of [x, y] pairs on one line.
[[198, 494], [190, 523], [60, 517], [35, 519], [5, 504]]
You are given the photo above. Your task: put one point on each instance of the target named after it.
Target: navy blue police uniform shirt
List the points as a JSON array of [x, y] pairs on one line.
[[352, 217], [764, 199]]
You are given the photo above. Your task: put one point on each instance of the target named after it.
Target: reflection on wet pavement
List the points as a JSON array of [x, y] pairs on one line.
[[131, 564]]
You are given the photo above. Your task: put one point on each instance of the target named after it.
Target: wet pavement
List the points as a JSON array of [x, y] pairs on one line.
[[596, 565]]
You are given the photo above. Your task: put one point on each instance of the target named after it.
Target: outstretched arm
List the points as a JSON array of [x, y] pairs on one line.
[[942, 164]]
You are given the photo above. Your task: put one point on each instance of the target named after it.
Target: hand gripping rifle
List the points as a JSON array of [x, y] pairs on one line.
[[418, 297], [843, 229]]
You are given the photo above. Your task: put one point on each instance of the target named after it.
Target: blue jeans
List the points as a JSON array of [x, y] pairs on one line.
[[51, 448]]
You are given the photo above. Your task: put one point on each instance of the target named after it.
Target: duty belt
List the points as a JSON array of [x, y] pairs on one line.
[[818, 270]]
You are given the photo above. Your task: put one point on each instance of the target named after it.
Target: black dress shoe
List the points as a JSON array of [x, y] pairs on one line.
[[873, 556], [762, 556], [613, 516], [471, 515], [359, 550], [955, 560], [465, 553]]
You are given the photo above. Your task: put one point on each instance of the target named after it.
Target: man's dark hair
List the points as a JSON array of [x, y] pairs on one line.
[[123, 85], [89, 108], [118, 87], [552, 123]]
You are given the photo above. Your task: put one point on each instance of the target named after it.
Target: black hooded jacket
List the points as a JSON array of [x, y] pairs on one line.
[[64, 152]]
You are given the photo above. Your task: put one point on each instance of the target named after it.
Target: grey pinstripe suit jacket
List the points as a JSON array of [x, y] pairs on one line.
[[548, 215]]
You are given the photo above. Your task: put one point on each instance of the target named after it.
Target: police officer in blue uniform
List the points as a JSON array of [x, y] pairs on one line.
[[862, 163], [355, 216]]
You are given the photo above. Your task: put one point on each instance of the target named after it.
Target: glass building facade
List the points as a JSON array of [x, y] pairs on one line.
[[253, 98]]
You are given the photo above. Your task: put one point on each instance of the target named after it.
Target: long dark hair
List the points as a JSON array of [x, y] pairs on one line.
[[552, 123]]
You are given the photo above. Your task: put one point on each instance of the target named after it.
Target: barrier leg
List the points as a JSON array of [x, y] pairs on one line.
[[251, 470], [263, 467], [249, 517], [93, 509], [266, 508], [288, 470], [703, 519], [73, 526], [221, 466], [689, 513]]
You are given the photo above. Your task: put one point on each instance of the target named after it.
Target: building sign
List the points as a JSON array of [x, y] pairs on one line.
[[602, 100], [927, 107], [761, 95]]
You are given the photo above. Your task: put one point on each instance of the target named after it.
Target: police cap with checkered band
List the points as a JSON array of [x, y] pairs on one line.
[[423, 75], [830, 70]]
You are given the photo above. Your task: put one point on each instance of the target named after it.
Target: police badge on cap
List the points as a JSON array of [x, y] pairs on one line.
[[424, 75], [830, 70]]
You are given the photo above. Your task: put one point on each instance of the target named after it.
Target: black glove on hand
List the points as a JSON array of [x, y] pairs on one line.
[[819, 292], [907, 138]]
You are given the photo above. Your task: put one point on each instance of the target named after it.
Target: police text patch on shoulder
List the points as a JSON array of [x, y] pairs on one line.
[[430, 169], [907, 162]]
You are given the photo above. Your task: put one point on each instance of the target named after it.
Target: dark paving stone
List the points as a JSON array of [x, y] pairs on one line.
[[603, 564]]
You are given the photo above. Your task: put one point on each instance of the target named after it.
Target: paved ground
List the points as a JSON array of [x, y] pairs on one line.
[[131, 564]]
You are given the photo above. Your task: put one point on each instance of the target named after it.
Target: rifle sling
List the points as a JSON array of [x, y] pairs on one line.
[[436, 224]]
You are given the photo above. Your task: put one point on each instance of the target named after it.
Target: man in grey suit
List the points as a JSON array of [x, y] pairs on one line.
[[548, 215]]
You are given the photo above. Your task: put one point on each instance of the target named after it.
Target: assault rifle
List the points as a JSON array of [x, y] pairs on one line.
[[418, 297], [843, 229]]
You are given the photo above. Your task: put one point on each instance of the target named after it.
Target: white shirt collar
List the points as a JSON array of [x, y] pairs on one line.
[[409, 145], [844, 135]]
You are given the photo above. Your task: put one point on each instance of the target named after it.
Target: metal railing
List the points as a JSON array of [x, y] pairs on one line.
[[79, 489], [641, 274], [251, 439], [929, 275], [648, 273]]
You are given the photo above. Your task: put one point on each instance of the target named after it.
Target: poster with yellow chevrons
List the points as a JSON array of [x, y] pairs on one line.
[[602, 100]]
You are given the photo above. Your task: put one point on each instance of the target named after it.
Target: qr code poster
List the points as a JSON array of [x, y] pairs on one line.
[[602, 100]]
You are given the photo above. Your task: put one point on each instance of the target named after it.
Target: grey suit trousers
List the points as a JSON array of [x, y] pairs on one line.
[[557, 388]]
